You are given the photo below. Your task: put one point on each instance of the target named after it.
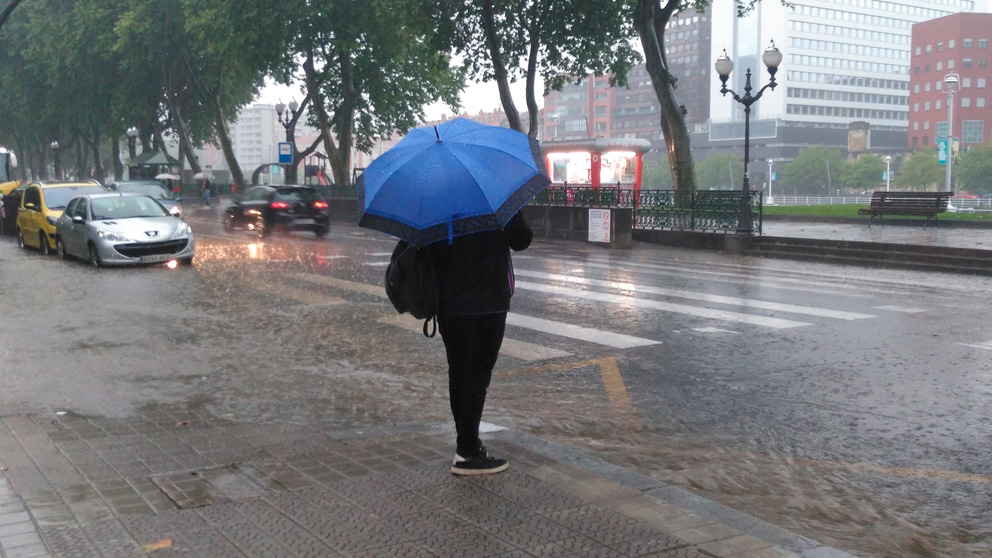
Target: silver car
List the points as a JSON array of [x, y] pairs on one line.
[[122, 229]]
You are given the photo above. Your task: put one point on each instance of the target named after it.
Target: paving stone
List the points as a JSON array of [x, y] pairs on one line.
[[733, 545]]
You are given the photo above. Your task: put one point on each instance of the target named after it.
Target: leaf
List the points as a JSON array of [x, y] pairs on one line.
[[159, 545]]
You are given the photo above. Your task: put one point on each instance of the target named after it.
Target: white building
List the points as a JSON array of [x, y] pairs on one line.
[[844, 60]]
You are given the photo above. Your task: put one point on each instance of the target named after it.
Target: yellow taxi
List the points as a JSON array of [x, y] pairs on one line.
[[41, 206]]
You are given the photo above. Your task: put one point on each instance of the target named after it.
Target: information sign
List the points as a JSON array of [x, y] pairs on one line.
[[599, 225]]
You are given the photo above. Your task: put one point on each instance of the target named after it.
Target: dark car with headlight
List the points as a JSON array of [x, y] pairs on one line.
[[263, 209], [153, 188], [122, 229]]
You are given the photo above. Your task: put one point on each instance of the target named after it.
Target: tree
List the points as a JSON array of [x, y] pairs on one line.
[[370, 67], [919, 171], [657, 176], [864, 174], [723, 171], [560, 40], [815, 172], [973, 169]]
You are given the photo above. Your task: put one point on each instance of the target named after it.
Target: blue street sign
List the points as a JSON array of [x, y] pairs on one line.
[[942, 151], [285, 153]]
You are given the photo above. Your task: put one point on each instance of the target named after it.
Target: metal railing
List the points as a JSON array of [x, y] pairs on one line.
[[703, 210]]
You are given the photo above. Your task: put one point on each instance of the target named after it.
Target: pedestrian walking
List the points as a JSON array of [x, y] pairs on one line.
[[205, 191], [475, 283]]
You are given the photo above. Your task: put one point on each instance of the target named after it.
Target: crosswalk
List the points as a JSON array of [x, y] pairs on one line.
[[528, 335]]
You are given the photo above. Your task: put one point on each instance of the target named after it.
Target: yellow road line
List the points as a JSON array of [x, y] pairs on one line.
[[302, 296], [364, 288], [616, 390]]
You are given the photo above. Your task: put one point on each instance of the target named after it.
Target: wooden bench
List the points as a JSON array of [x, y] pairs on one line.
[[923, 204]]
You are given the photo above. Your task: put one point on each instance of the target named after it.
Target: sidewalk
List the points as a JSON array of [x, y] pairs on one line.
[[941, 236], [170, 483]]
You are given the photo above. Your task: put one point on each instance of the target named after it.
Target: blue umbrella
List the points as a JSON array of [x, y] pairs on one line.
[[448, 180]]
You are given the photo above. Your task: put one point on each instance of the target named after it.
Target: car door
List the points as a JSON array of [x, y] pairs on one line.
[[75, 241], [29, 216], [237, 211], [254, 204]]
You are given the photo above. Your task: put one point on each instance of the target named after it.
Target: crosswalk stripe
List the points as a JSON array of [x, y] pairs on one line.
[[777, 323], [901, 309], [984, 346], [302, 296], [521, 350], [719, 299], [355, 286], [616, 340]]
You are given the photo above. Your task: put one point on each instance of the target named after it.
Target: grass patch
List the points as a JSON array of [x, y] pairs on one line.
[[851, 211]]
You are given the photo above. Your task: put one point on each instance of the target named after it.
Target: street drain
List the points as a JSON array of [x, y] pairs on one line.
[[207, 487]]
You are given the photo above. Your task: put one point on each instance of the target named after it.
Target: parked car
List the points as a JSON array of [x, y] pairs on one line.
[[122, 229], [290, 208], [153, 188], [11, 202], [41, 206]]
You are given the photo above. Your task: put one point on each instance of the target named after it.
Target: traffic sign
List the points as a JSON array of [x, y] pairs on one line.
[[285, 153]]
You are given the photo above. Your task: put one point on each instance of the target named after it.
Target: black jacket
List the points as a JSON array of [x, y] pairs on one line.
[[475, 274]]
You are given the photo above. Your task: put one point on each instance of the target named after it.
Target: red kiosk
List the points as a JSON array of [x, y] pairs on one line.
[[596, 161]]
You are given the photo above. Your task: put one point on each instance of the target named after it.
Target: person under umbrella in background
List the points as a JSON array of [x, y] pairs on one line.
[[456, 190], [205, 191]]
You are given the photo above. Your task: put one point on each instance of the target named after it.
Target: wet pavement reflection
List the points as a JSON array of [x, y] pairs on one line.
[[847, 405]]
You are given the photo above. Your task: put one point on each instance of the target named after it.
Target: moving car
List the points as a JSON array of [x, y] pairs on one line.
[[153, 188], [41, 206], [290, 208], [122, 229]]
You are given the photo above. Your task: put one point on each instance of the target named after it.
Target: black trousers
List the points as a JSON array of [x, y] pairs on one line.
[[472, 345]]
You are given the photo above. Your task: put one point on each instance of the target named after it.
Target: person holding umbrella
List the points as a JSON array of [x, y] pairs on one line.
[[455, 190]]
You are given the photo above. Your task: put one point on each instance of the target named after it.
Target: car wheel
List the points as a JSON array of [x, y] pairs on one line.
[[60, 249], [20, 239], [321, 232], [94, 256], [262, 228], [228, 223], [43, 246]]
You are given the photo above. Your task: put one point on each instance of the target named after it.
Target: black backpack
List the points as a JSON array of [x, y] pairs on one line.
[[411, 284]]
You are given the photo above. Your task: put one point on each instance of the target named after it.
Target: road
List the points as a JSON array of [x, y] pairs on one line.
[[845, 404]]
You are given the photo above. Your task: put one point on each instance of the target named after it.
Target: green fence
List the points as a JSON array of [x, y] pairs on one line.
[[702, 210]]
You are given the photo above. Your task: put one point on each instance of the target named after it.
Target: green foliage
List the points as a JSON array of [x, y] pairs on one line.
[[973, 169], [864, 174], [657, 176], [920, 171], [816, 171], [724, 171]]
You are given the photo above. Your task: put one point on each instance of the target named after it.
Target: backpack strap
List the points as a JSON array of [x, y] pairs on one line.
[[434, 330]]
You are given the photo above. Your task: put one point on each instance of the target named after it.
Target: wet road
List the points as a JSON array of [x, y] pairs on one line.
[[849, 405]]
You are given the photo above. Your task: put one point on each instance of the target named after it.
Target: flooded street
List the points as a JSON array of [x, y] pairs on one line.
[[848, 405]]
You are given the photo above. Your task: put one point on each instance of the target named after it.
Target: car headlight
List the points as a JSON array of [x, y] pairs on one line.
[[183, 230], [176, 210], [111, 236]]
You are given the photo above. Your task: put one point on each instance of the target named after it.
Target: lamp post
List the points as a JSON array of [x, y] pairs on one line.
[[57, 164], [888, 172], [288, 120], [771, 200], [952, 83], [554, 116], [772, 57]]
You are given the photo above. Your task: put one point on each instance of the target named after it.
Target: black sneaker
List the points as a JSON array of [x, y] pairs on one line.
[[479, 464]]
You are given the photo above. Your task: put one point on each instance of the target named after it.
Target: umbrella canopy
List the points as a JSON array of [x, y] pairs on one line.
[[166, 176], [448, 180], [203, 175]]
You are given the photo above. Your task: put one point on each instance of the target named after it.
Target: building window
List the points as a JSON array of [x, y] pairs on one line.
[[929, 49], [966, 63], [940, 129], [983, 43], [980, 102], [981, 83], [981, 63], [916, 88], [926, 106], [967, 43], [916, 107], [939, 67], [914, 142], [965, 102], [950, 43], [965, 82], [917, 51], [916, 126], [926, 69], [972, 131], [936, 105], [926, 124], [940, 47], [926, 86], [950, 64], [601, 111]]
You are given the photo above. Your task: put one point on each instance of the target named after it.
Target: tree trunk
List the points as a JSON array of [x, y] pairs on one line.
[[115, 154], [339, 154], [649, 21], [220, 124], [499, 67]]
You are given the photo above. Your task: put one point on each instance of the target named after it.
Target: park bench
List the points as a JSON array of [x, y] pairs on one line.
[[923, 204]]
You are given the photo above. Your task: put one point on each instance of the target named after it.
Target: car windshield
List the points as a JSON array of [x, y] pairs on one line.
[[126, 207], [56, 198], [154, 190], [297, 195]]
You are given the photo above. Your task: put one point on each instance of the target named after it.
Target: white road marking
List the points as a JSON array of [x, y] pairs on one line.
[[712, 330], [364, 288], [376, 264], [380, 254], [900, 309], [777, 323], [337, 257], [987, 346], [719, 299], [521, 350], [616, 340]]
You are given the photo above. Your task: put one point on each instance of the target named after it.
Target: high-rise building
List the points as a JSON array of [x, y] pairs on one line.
[[955, 45]]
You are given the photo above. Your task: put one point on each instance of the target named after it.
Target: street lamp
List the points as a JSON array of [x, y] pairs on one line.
[[724, 65], [288, 121], [771, 200], [888, 173], [132, 137], [554, 116], [952, 83], [56, 163]]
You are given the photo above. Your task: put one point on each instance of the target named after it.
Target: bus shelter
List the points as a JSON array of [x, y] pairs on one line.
[[595, 162]]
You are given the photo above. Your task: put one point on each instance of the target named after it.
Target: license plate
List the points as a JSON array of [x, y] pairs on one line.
[[303, 222], [155, 259]]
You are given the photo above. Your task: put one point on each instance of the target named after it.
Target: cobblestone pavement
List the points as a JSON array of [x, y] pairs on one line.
[[171, 483]]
